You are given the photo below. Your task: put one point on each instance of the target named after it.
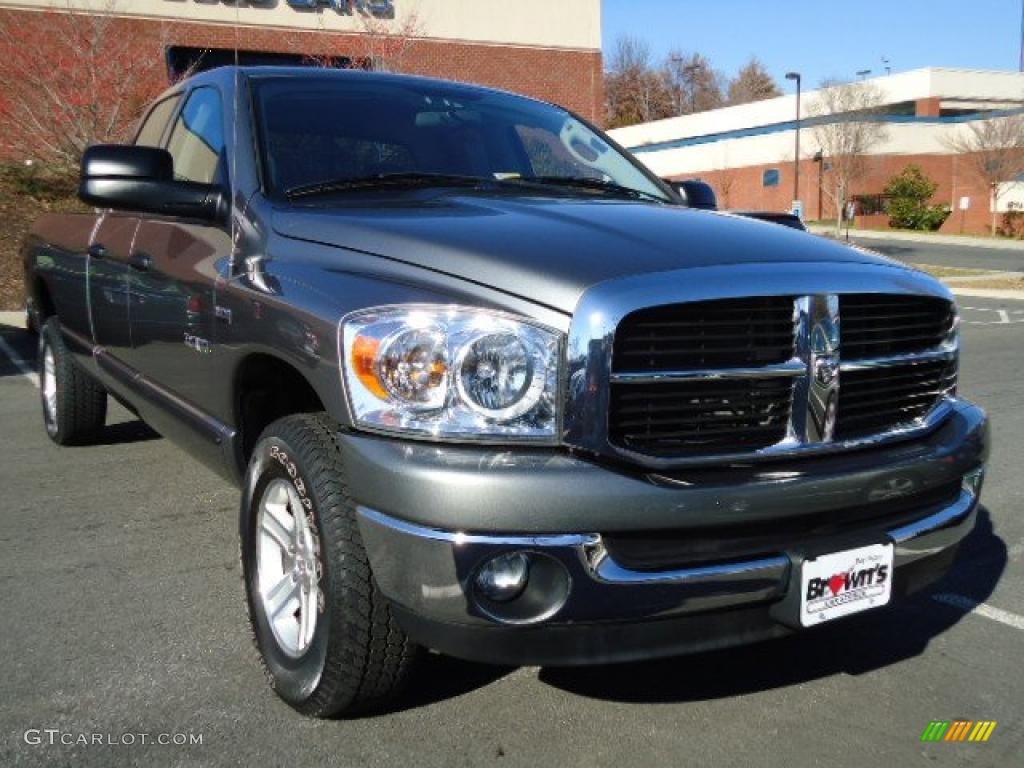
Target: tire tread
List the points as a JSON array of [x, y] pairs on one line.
[[376, 658]]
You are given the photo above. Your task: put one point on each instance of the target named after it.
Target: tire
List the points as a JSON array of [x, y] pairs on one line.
[[354, 658], [74, 403]]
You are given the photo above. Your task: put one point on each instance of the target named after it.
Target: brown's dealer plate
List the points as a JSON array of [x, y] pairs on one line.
[[844, 583]]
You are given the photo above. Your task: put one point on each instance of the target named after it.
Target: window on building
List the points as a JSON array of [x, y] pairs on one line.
[[197, 141], [152, 130], [771, 177], [185, 60]]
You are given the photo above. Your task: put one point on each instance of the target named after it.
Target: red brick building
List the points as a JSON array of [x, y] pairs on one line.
[[746, 152], [551, 51]]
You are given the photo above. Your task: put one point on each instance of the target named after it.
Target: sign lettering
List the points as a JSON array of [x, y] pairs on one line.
[[380, 9]]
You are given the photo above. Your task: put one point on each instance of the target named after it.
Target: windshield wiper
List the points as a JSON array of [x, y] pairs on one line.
[[583, 182], [384, 180]]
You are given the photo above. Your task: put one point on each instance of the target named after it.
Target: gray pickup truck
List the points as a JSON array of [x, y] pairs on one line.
[[490, 388]]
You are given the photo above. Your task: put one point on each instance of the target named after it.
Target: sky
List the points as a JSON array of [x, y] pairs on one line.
[[819, 39]]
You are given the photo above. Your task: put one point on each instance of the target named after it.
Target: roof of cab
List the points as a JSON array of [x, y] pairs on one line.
[[225, 76]]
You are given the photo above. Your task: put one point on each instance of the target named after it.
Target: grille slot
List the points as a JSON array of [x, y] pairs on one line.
[[706, 334], [880, 399], [700, 417], [666, 550], [877, 325]]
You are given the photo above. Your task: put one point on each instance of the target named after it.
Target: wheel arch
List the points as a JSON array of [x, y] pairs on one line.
[[265, 388]]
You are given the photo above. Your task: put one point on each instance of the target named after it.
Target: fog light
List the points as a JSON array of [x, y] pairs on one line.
[[973, 481], [504, 577]]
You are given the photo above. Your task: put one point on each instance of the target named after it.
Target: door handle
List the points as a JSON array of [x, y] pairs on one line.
[[140, 262], [98, 251]]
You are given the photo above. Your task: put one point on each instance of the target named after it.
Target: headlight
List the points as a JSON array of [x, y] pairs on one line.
[[452, 372]]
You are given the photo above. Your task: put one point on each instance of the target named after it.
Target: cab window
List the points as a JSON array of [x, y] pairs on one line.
[[152, 129], [197, 140]]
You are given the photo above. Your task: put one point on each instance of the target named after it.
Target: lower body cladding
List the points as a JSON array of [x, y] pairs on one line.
[[623, 584]]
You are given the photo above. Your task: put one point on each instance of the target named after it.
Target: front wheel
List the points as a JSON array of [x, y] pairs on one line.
[[324, 631]]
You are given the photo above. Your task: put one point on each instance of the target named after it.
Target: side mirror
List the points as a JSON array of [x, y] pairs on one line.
[[696, 194], [141, 179]]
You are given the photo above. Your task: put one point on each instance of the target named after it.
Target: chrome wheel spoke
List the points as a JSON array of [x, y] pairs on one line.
[[278, 526], [284, 592], [307, 615]]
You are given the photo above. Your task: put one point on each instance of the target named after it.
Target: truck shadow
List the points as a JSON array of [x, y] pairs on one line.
[[853, 647], [125, 432], [440, 678]]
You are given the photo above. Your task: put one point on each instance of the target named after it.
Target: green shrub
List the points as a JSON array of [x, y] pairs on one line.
[[909, 193], [933, 217]]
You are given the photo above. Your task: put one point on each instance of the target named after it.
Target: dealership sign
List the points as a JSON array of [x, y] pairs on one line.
[[1011, 197], [381, 9]]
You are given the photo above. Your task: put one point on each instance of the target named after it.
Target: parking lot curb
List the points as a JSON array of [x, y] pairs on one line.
[[883, 234], [986, 293]]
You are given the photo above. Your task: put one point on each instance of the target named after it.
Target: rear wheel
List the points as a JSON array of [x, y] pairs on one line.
[[74, 404], [324, 631]]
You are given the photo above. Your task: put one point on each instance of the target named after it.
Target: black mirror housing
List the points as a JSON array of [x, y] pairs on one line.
[[696, 194], [134, 178]]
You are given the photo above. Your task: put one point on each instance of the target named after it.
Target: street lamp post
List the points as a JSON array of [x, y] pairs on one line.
[[819, 158], [796, 152]]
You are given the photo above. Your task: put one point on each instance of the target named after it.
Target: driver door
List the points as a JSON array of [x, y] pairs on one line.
[[172, 288]]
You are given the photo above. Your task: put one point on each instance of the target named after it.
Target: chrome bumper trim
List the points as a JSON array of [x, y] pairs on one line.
[[951, 514], [469, 539], [608, 571]]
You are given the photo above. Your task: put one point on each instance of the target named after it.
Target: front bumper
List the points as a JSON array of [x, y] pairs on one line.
[[589, 608]]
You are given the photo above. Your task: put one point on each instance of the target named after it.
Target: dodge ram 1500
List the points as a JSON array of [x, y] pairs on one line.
[[489, 387]]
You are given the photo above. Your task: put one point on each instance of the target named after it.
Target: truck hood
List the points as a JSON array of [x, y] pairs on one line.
[[550, 250]]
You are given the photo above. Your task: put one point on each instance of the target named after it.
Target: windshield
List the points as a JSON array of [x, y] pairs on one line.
[[325, 130]]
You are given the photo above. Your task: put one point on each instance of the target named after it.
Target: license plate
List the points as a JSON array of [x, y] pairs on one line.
[[843, 583]]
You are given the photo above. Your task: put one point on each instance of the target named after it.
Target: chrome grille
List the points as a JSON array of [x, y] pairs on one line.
[[707, 380]]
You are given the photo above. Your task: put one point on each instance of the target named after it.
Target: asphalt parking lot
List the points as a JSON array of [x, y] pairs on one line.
[[122, 613], [945, 254]]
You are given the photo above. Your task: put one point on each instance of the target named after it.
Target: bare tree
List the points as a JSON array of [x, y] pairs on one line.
[[385, 46], [753, 83], [694, 84], [635, 91], [727, 178], [993, 153], [846, 139], [75, 81]]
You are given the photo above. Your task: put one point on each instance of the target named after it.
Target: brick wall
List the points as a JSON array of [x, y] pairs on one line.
[[742, 188], [571, 78]]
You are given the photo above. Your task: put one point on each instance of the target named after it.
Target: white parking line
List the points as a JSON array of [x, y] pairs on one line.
[[24, 368], [972, 606], [1004, 316]]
